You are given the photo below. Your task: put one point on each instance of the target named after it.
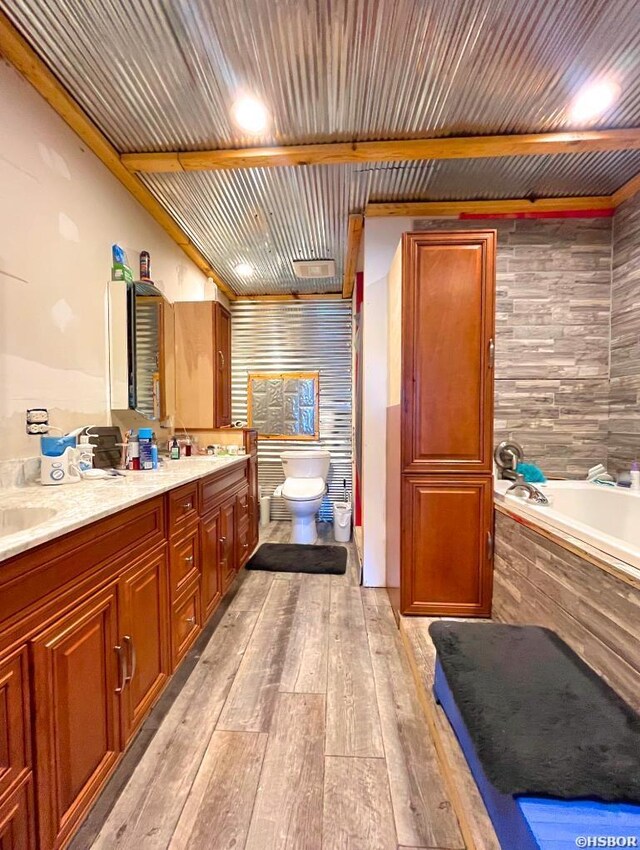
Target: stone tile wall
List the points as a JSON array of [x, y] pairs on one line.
[[624, 412]]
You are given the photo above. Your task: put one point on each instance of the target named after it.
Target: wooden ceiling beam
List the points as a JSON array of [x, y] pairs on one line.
[[404, 150], [354, 239], [427, 209], [16, 50], [626, 191]]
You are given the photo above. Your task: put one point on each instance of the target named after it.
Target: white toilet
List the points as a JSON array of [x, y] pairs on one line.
[[303, 491]]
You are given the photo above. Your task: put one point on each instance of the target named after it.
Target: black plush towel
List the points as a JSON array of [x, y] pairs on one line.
[[542, 722], [299, 558]]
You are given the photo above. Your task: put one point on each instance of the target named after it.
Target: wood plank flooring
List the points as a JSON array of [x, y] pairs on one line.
[[300, 728]]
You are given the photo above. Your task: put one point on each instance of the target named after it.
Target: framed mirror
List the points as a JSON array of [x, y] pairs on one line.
[[141, 349], [284, 405]]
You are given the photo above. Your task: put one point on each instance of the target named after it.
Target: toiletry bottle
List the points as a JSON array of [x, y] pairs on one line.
[[133, 452], [85, 454], [175, 449], [635, 476], [154, 452], [145, 265], [145, 435]]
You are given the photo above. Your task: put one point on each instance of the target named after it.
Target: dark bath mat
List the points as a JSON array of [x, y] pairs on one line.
[[299, 558]]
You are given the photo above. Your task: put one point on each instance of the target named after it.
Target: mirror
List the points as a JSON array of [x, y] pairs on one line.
[[141, 349], [284, 405]]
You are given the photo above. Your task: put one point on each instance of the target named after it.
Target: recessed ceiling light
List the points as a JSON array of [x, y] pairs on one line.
[[244, 269], [593, 100], [250, 114]]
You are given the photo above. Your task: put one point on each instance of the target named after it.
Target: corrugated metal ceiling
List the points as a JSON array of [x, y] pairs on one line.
[[161, 75]]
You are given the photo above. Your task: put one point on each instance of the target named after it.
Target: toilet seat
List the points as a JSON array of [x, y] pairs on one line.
[[303, 489]]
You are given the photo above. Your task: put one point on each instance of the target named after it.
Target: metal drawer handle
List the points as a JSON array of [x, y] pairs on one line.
[[132, 655], [187, 506], [191, 621], [492, 353], [489, 545], [221, 358], [122, 667]]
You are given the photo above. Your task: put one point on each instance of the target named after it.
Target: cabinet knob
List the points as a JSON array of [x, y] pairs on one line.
[[245, 545], [189, 559], [223, 540], [187, 506], [191, 621]]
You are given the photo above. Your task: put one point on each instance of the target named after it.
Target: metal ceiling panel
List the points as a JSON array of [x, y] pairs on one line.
[[162, 74], [270, 217]]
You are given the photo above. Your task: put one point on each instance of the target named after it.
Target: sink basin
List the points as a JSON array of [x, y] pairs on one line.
[[13, 520]]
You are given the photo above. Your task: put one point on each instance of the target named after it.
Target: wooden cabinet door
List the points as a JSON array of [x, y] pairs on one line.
[[194, 363], [143, 633], [228, 542], [15, 728], [17, 819], [186, 622], [211, 547], [447, 545], [223, 366], [77, 684], [447, 351]]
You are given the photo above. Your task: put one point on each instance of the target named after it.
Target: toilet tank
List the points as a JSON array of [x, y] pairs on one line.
[[306, 463]]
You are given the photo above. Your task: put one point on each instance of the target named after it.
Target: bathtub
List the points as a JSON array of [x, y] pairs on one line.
[[606, 519]]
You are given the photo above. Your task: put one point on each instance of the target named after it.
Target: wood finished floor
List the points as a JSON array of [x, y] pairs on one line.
[[300, 727]]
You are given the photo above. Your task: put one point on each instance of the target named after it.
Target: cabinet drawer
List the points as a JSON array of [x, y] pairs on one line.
[[216, 488], [186, 622], [17, 819], [183, 507], [185, 561], [15, 736]]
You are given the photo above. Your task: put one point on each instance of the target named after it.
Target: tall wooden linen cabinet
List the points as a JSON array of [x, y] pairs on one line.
[[440, 424]]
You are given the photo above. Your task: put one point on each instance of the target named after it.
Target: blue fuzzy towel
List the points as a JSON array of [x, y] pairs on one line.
[[532, 473]]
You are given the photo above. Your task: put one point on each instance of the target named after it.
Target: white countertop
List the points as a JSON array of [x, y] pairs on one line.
[[76, 505]]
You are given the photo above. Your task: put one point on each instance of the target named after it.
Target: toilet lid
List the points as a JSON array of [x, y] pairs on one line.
[[302, 489]]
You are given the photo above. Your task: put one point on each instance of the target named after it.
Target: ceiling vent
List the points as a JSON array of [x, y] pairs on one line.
[[307, 269]]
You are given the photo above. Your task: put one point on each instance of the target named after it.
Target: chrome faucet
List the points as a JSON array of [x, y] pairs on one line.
[[521, 486]]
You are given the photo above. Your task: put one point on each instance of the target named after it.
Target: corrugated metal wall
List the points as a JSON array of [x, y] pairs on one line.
[[286, 336]]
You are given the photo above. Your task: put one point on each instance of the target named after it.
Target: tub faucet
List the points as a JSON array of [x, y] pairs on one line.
[[521, 486]]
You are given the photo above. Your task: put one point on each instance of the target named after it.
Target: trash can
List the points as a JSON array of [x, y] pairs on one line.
[[342, 521], [265, 510]]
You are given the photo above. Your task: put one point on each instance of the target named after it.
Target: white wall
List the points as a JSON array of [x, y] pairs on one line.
[[60, 212], [381, 238]]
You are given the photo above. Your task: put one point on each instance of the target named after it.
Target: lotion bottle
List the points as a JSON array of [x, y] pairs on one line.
[[635, 476]]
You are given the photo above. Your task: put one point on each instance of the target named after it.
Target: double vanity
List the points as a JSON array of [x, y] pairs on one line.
[[100, 600]]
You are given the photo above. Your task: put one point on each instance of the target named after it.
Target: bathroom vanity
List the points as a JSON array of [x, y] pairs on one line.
[[97, 610]]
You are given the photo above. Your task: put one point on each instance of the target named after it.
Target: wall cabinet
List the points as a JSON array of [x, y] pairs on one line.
[[440, 424], [202, 364], [91, 627]]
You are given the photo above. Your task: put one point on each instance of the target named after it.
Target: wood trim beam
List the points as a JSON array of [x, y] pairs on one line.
[[403, 150], [354, 238], [626, 191], [18, 52], [433, 209]]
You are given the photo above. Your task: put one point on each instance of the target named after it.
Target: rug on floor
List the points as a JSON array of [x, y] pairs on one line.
[[299, 558]]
